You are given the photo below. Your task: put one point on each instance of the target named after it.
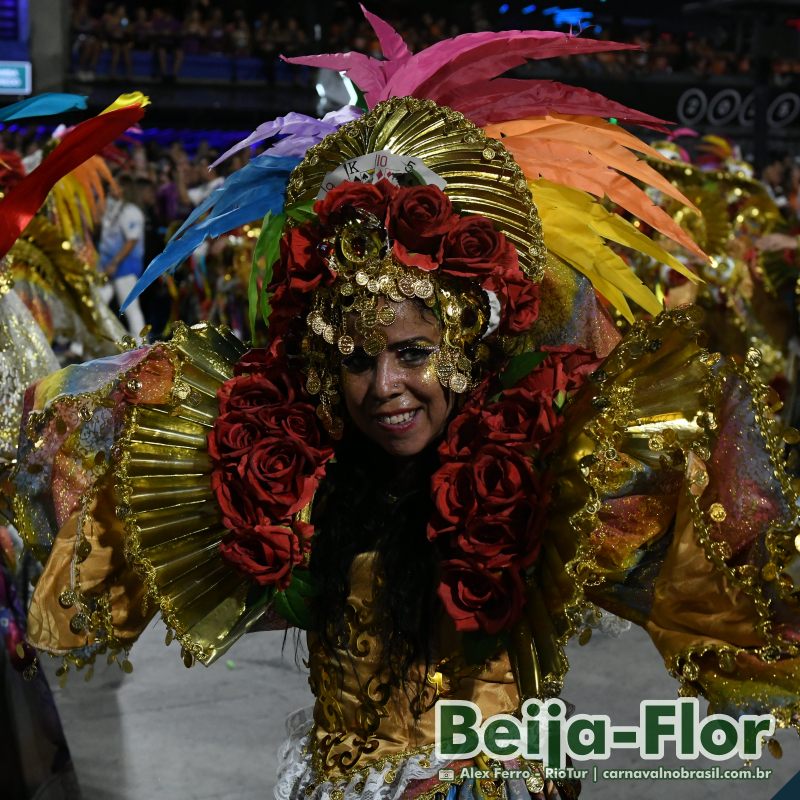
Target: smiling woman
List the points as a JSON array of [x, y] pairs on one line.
[[395, 398]]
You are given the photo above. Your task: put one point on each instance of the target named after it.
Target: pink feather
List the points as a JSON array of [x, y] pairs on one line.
[[365, 72], [393, 47], [464, 63], [506, 98], [475, 57]]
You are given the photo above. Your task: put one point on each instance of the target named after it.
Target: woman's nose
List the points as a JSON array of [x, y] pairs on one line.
[[387, 380]]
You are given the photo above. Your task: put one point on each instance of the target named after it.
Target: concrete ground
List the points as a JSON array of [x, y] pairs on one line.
[[168, 733]]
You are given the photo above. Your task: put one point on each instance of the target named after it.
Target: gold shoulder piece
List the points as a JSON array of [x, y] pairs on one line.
[[163, 490]]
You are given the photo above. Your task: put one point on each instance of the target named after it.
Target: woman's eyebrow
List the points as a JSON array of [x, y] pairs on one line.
[[422, 341]]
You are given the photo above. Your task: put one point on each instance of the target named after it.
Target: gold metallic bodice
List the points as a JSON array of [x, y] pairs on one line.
[[360, 720]]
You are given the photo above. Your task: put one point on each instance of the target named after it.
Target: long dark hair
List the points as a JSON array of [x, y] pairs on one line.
[[370, 501]]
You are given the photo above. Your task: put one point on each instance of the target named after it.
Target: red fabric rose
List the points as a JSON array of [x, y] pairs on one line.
[[234, 499], [266, 554], [419, 218], [233, 435], [493, 483], [289, 308], [297, 421], [305, 533], [520, 300], [373, 198], [477, 598], [474, 248], [301, 267], [509, 422], [565, 369], [257, 359], [250, 392], [503, 541], [282, 474]]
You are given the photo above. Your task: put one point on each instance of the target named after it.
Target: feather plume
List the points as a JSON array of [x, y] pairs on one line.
[[508, 98], [594, 156], [82, 142], [297, 131], [247, 195], [576, 228], [43, 105], [441, 69]]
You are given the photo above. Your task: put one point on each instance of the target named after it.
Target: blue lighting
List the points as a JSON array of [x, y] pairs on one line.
[[504, 8], [528, 9], [568, 16]]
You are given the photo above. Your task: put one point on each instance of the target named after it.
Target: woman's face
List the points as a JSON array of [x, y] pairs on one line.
[[395, 398]]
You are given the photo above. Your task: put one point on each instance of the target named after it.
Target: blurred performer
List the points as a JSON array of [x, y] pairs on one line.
[[41, 268], [742, 294], [122, 249]]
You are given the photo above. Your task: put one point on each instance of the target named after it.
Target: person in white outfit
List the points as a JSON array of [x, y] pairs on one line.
[[122, 250]]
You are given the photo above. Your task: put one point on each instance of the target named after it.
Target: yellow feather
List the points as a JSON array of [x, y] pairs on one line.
[[576, 228]]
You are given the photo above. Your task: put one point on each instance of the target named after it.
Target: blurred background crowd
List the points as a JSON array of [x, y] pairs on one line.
[[119, 40]]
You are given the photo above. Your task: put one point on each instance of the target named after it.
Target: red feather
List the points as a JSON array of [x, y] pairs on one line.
[[82, 142]]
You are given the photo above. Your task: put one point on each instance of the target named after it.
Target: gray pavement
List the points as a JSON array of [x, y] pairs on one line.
[[168, 733]]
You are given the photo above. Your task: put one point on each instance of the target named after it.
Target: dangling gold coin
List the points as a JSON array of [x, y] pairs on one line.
[[67, 598], [374, 343], [369, 318], [407, 285], [386, 316], [717, 512], [79, 623], [346, 345], [444, 369], [458, 382], [423, 288], [83, 550], [362, 279], [313, 384]]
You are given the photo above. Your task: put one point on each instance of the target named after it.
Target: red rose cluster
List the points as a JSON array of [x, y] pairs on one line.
[[426, 232], [489, 497], [268, 455]]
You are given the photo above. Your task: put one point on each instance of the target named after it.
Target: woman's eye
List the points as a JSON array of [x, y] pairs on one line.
[[415, 355], [357, 362]]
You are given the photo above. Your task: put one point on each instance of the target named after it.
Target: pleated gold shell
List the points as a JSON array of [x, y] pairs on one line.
[[172, 520], [482, 177]]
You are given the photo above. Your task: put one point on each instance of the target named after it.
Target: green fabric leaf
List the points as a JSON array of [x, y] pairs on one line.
[[302, 212], [479, 647], [520, 366], [293, 604], [266, 251]]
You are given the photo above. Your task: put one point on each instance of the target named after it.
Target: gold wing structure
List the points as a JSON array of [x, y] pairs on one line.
[[115, 489], [673, 510]]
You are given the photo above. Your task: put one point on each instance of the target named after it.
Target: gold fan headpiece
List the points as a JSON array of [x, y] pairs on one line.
[[410, 141]]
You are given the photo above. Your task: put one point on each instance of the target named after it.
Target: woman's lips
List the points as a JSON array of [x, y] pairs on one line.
[[397, 423]]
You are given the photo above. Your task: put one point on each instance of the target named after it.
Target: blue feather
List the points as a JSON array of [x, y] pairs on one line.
[[43, 105], [247, 195]]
